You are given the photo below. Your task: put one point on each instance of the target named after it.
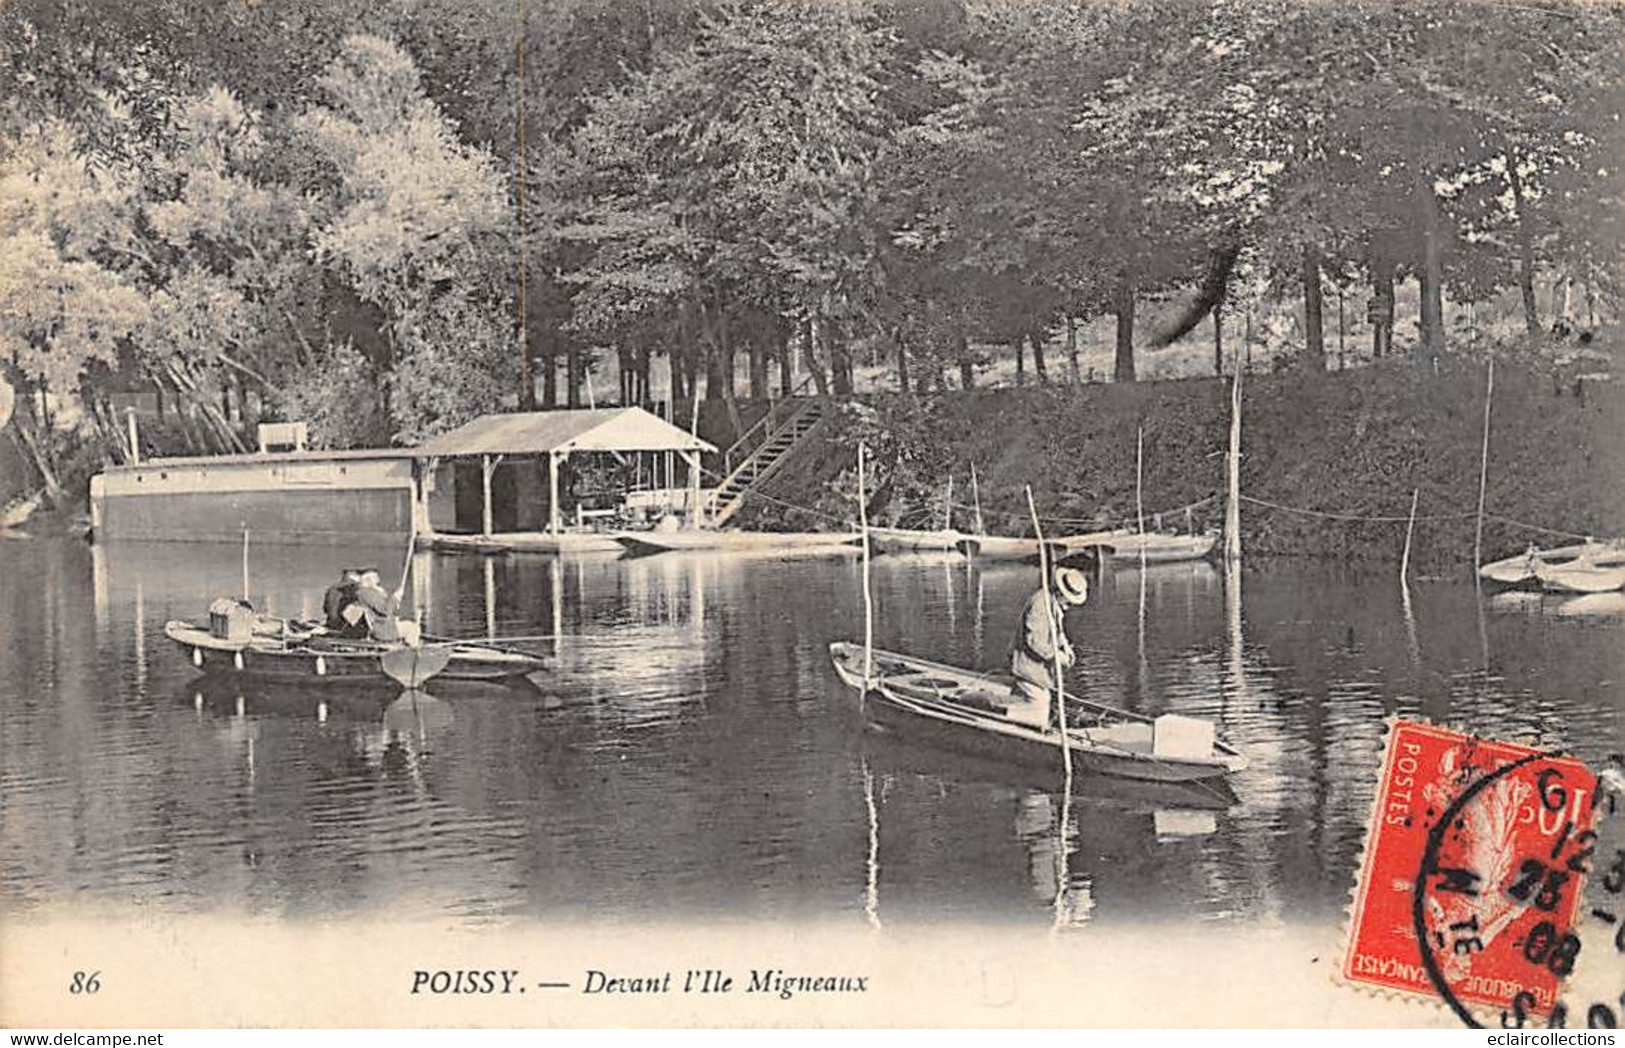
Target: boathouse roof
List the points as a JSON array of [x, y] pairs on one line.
[[548, 432]]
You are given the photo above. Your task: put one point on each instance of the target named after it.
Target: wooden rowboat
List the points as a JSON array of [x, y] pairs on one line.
[[646, 542], [1581, 577], [16, 514], [317, 659], [963, 710], [909, 540], [1160, 548], [1002, 547], [1524, 570]]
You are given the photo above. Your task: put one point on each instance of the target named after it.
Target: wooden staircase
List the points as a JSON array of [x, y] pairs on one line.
[[776, 445]]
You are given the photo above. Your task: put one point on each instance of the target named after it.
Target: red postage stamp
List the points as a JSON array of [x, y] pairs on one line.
[[1473, 871]]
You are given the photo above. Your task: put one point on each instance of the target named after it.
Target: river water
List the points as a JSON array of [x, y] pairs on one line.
[[692, 754]]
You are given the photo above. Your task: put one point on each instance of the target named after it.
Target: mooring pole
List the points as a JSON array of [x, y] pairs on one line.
[[1483, 471], [1410, 529], [485, 491], [1232, 511], [868, 597]]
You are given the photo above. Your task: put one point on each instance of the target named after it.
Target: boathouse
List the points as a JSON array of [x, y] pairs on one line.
[[558, 470], [512, 473]]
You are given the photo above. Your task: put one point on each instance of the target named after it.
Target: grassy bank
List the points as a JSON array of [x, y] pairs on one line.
[[1352, 443]]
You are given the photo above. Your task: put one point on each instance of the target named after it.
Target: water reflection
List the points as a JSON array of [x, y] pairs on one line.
[[692, 753]]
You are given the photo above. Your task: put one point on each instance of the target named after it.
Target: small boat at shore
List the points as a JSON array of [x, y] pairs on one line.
[[564, 542], [318, 658], [1155, 547], [1581, 578], [1001, 547], [1559, 569], [647, 542], [912, 540], [15, 514], [965, 711]]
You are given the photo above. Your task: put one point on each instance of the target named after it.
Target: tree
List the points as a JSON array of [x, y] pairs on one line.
[[417, 224]]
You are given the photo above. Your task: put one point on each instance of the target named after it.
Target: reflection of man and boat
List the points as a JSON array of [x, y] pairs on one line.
[[388, 733]]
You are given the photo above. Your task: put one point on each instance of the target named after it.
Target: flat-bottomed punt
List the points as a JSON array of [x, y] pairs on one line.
[[560, 543], [1530, 569], [315, 658], [963, 710], [914, 540], [646, 542]]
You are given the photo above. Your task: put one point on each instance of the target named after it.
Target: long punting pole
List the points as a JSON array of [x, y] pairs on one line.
[[1232, 510], [245, 564], [1055, 635], [1483, 472], [948, 506], [1410, 529], [868, 598]]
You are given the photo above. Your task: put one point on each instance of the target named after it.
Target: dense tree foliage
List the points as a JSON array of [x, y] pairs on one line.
[[386, 217]]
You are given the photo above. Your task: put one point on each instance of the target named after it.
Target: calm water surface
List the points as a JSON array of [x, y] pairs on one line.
[[694, 755]]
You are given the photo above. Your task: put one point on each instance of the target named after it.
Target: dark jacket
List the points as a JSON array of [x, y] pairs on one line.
[[338, 596]]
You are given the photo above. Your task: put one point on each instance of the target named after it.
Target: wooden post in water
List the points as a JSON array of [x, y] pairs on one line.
[[553, 515], [1410, 529], [868, 598], [485, 491], [1232, 510], [1483, 472], [976, 497], [1139, 502], [135, 437]]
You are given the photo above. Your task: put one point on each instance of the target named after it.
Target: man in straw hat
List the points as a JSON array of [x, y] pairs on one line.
[[1042, 635]]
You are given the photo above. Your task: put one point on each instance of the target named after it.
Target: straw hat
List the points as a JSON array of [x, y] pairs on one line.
[[1072, 585]]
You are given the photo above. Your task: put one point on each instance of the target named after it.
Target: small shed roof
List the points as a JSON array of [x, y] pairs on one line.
[[544, 432]]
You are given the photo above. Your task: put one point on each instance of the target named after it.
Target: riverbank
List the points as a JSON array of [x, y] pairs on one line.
[[1352, 443]]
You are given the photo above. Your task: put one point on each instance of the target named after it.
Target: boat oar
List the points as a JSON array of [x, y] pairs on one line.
[[412, 667]]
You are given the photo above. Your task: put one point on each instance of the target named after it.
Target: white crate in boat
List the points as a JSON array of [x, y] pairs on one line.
[[1179, 737]]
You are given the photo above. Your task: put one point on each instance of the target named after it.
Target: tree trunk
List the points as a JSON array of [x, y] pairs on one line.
[[758, 368], [1072, 349], [787, 371], [527, 377], [1019, 344], [1123, 306], [1526, 250], [902, 360], [1314, 327], [1037, 339], [713, 372], [550, 380], [840, 358], [809, 350], [1380, 312], [30, 446], [1432, 276], [967, 366], [786, 363], [572, 379]]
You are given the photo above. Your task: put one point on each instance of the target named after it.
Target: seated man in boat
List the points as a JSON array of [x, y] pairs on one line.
[[380, 610], [1040, 638], [339, 596]]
